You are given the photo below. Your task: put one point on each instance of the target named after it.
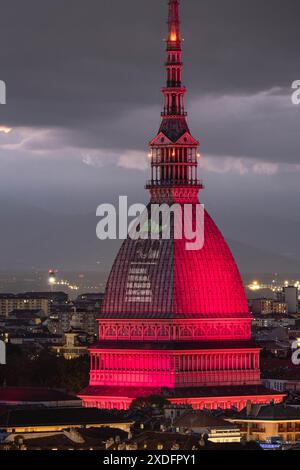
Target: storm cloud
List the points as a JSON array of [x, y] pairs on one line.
[[83, 100]]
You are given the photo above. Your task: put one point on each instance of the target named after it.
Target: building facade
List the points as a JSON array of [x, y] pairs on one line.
[[282, 385], [262, 423], [203, 423], [10, 302], [175, 321], [291, 299], [269, 307], [71, 348]]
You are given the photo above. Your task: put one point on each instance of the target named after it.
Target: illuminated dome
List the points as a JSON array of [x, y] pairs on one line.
[[175, 321], [160, 278]]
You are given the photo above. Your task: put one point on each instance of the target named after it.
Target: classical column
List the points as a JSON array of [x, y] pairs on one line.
[[257, 360]]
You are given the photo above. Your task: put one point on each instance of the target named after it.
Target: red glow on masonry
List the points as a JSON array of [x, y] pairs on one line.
[[175, 322]]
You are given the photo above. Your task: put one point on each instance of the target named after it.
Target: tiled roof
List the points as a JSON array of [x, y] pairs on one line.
[[58, 416], [198, 418], [161, 279], [174, 128], [271, 412], [32, 394]]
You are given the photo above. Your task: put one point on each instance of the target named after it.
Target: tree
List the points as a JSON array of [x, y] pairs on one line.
[[44, 369], [151, 401]]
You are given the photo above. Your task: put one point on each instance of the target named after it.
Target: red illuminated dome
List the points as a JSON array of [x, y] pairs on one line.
[[175, 321], [161, 279]]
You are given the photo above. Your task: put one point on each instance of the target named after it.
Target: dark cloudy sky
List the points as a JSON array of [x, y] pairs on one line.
[[83, 99]]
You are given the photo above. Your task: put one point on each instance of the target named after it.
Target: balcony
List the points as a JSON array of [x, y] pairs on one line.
[[257, 430], [171, 183]]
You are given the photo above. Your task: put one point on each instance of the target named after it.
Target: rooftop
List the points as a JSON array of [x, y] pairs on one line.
[[34, 295], [94, 438], [220, 391], [198, 418], [185, 442], [272, 412], [33, 394], [58, 417]]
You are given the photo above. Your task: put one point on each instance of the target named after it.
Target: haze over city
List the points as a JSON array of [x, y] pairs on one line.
[[83, 101]]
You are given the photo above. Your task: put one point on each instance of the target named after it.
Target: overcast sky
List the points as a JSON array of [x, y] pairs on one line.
[[83, 100]]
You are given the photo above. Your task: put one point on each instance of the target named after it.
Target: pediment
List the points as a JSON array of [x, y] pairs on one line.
[[161, 139], [187, 139]]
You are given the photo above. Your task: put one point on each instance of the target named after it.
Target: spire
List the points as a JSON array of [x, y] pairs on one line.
[[174, 152], [174, 36], [174, 91]]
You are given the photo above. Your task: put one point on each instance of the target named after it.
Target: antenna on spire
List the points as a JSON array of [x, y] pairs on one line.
[[174, 35]]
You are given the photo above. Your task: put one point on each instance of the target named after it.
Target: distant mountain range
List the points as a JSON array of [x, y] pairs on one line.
[[32, 237], [258, 261]]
